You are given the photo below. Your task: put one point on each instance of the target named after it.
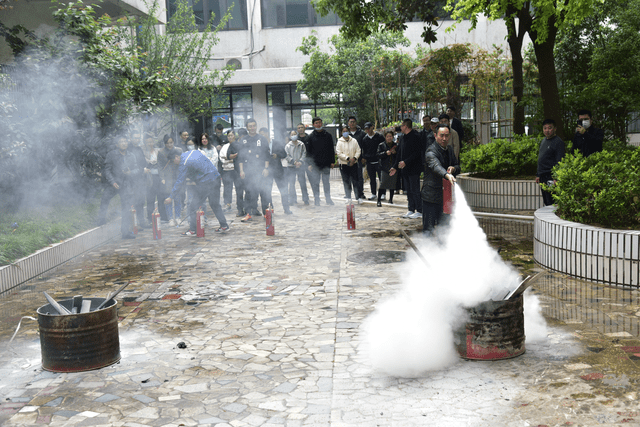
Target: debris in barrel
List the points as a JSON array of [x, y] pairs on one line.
[[60, 309]]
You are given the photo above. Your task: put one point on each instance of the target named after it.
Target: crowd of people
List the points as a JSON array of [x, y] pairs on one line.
[[182, 177]]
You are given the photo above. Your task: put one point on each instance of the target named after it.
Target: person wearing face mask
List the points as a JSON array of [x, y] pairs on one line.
[[348, 151], [588, 138]]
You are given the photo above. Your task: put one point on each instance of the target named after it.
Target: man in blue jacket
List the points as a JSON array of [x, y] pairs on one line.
[[198, 168]]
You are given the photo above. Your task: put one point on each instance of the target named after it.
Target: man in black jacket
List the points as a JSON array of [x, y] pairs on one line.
[[322, 156], [369, 148], [456, 124], [121, 172], [356, 133], [441, 163], [409, 159], [588, 138], [550, 153], [253, 161]]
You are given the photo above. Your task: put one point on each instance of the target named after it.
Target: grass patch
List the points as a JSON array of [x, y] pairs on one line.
[[41, 227]]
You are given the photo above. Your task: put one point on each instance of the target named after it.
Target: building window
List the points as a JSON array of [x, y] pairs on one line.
[[293, 13], [213, 10], [231, 108], [286, 107]]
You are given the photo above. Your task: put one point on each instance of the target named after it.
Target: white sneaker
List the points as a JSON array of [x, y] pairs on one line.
[[360, 201], [416, 215], [407, 215], [172, 222], [348, 202]]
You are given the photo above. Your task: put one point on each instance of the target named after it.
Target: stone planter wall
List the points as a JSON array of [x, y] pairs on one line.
[[496, 194], [51, 257], [596, 254]]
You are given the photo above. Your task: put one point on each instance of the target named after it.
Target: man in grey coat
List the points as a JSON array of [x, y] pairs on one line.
[[441, 162]]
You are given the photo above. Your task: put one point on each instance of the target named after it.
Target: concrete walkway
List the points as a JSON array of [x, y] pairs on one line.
[[271, 326]]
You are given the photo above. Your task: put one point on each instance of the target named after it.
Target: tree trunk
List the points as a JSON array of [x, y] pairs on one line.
[[547, 76], [515, 44]]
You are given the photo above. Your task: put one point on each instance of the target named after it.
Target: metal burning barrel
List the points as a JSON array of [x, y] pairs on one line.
[[493, 331], [79, 342]]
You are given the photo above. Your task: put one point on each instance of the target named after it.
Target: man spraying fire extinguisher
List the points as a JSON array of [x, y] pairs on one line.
[[199, 169], [441, 163]]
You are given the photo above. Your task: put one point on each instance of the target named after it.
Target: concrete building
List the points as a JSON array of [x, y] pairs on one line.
[[260, 40]]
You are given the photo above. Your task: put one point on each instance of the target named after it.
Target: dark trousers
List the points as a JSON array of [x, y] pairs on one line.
[[256, 185], [412, 188], [201, 192], [283, 188], [373, 169], [291, 175], [360, 183], [547, 198], [155, 191], [126, 198], [241, 194], [315, 175], [432, 216], [381, 193], [229, 180], [349, 179]]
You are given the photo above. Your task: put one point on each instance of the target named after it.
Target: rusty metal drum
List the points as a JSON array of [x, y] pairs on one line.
[[79, 342], [493, 331]]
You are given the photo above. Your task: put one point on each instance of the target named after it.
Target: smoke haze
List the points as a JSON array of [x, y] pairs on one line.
[[411, 332]]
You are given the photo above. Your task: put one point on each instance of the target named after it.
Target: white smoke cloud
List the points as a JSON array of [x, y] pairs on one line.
[[411, 332]]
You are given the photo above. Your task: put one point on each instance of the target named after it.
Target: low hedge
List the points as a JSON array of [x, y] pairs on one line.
[[503, 158], [602, 189]]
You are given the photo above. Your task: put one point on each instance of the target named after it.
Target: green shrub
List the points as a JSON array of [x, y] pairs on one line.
[[602, 189], [503, 158]]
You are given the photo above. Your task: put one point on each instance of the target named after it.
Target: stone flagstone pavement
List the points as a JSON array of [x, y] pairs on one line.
[[271, 332]]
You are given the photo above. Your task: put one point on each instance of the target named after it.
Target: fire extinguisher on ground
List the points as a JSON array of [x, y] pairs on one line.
[[155, 223], [134, 221], [200, 222], [268, 216], [351, 218]]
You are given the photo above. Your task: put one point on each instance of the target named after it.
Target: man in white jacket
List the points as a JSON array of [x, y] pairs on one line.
[[348, 151]]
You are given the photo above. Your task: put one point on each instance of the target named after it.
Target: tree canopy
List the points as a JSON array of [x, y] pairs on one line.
[[341, 73]]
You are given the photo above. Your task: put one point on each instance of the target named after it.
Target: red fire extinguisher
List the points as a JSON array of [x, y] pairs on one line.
[[134, 221], [351, 217], [268, 216], [448, 199], [155, 223], [200, 222]]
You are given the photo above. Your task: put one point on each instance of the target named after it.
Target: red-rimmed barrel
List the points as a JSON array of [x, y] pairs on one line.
[[79, 342], [494, 330]]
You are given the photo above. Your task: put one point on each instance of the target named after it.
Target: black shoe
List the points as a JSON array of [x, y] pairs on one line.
[[128, 236], [240, 214], [379, 204], [306, 203], [330, 202], [288, 212], [256, 213], [390, 201]]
